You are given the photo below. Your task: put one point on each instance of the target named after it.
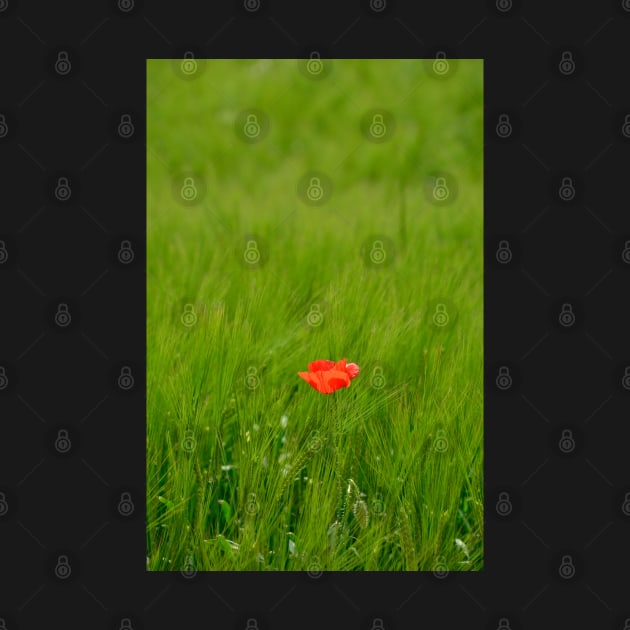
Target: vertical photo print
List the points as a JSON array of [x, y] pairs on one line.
[[315, 315]]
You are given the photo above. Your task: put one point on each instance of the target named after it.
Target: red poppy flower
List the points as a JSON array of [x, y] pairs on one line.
[[327, 376]]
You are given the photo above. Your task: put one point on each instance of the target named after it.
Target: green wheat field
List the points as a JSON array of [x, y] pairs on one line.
[[301, 210]]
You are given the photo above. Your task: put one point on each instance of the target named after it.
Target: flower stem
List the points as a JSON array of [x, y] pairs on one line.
[[338, 464]]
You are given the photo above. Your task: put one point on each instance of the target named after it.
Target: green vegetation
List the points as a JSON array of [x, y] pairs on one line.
[[248, 467]]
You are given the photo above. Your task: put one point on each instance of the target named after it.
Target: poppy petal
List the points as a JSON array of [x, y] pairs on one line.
[[314, 379], [337, 382], [352, 369], [305, 375], [337, 376], [321, 364]]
